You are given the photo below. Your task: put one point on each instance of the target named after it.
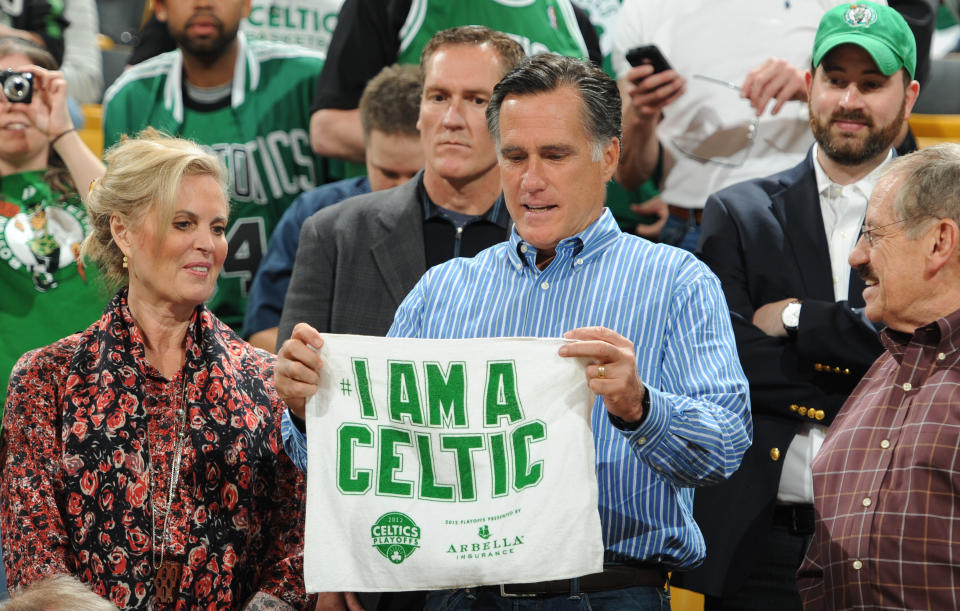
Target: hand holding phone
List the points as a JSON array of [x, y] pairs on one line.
[[648, 54], [651, 89]]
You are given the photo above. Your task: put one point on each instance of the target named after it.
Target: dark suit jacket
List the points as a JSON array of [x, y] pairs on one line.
[[765, 240]]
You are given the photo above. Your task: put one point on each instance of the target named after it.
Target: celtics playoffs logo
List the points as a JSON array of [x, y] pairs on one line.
[[395, 536]]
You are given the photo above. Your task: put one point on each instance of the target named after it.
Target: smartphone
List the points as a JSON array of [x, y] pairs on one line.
[[648, 54]]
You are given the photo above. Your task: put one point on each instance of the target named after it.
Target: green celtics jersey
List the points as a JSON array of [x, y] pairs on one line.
[[539, 25], [46, 294], [262, 137]]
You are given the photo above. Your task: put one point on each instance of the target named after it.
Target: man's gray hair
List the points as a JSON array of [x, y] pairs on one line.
[[930, 187], [57, 593], [600, 111]]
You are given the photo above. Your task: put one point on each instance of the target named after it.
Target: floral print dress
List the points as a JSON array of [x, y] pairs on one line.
[[86, 456]]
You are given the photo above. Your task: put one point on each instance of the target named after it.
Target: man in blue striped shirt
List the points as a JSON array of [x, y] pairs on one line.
[[673, 409]]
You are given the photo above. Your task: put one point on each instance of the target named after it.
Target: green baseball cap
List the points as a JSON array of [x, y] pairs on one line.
[[879, 30]]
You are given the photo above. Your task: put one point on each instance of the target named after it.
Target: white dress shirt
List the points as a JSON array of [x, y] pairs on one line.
[[843, 208]]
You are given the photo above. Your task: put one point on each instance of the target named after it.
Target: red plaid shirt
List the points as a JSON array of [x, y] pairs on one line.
[[887, 483]]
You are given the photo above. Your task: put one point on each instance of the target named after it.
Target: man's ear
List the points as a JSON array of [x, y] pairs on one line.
[[160, 10], [910, 98], [610, 159], [808, 79], [944, 246]]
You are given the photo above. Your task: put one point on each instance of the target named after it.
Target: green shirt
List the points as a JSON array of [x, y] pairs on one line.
[[45, 294], [538, 25], [262, 137]]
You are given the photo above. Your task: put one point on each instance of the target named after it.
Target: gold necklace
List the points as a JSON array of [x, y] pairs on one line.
[[167, 578]]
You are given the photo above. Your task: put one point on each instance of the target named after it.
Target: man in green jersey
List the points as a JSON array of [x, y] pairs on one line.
[[371, 35], [249, 102]]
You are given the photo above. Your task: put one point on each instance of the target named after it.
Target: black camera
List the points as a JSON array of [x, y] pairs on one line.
[[17, 86]]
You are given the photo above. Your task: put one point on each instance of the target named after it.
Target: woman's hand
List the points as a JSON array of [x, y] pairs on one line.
[[48, 109]]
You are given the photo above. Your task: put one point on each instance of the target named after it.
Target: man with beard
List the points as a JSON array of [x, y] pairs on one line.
[[248, 101], [779, 245]]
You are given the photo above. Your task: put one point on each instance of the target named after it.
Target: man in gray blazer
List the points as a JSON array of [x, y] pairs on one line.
[[358, 259]]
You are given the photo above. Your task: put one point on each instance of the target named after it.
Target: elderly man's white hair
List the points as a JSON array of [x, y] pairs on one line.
[[57, 593]]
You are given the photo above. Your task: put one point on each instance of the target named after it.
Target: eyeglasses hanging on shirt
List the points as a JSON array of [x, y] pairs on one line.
[[712, 136]]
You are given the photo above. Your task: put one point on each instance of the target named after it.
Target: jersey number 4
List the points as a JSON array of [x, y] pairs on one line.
[[246, 243]]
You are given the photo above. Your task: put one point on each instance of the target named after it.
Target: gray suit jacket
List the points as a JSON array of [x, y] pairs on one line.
[[356, 262]]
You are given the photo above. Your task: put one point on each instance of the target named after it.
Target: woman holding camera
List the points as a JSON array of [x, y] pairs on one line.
[[144, 454], [47, 292]]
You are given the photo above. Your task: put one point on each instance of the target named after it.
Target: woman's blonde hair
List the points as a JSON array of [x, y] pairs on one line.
[[143, 177]]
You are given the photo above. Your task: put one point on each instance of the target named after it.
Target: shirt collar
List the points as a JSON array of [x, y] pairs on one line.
[[942, 334], [865, 185], [588, 243], [173, 89], [496, 214]]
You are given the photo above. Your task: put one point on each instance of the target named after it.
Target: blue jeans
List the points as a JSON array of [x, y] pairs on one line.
[[640, 598], [682, 233]]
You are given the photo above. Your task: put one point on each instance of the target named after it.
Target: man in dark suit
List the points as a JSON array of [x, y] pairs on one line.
[[779, 246], [358, 259]]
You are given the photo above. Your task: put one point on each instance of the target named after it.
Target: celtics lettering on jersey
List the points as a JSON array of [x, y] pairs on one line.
[[308, 23], [270, 167]]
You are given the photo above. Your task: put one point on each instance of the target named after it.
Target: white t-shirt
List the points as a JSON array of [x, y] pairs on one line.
[[723, 40]]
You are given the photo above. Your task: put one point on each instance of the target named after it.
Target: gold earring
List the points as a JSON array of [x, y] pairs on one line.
[[124, 261]]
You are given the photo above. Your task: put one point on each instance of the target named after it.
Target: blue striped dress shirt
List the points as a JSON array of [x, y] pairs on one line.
[[672, 308]]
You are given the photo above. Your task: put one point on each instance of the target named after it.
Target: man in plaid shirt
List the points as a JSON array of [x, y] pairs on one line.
[[886, 479]]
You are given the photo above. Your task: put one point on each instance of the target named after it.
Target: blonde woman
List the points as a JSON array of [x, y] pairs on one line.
[[143, 455]]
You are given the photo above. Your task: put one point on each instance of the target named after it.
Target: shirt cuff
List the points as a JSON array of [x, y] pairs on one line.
[[654, 425], [623, 425], [294, 441]]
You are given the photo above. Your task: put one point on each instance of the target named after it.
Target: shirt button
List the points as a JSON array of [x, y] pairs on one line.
[[885, 444], [866, 502], [941, 356], [907, 386], [641, 440], [545, 285], [857, 565], [523, 248], [836, 280], [579, 261]]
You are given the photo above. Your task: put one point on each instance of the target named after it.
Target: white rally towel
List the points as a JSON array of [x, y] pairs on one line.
[[449, 463]]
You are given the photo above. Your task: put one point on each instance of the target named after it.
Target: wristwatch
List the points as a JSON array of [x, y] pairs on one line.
[[790, 316]]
